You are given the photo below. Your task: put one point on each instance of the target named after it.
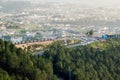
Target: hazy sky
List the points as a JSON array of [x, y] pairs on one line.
[[111, 3]]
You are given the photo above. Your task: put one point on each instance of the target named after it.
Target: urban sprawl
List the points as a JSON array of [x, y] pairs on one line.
[[38, 21]]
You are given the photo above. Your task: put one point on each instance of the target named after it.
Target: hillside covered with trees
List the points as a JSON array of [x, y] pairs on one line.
[[79, 63], [17, 64], [86, 62]]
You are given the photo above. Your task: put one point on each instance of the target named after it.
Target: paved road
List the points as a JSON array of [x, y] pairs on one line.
[[86, 40], [38, 53]]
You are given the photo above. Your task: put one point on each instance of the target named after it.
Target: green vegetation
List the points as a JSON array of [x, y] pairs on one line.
[[90, 33], [85, 63], [17, 64], [79, 63], [105, 44]]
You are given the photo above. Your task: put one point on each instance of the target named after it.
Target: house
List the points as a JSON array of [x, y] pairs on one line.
[[16, 39]]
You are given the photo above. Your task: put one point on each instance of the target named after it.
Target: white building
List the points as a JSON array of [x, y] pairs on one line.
[[63, 34], [16, 39], [30, 34]]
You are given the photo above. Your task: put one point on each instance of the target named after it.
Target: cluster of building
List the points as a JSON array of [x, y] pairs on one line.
[[41, 21]]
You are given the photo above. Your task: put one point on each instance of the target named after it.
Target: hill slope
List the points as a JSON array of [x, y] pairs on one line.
[[80, 63], [86, 62]]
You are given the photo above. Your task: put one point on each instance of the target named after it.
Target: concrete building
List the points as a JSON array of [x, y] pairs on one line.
[[16, 39]]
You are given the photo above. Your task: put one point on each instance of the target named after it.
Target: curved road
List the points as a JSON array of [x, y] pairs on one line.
[[86, 40]]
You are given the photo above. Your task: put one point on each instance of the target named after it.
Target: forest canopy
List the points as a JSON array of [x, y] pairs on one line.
[[79, 63]]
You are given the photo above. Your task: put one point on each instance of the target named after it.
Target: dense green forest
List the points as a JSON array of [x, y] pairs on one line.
[[79, 63], [17, 64], [86, 62]]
